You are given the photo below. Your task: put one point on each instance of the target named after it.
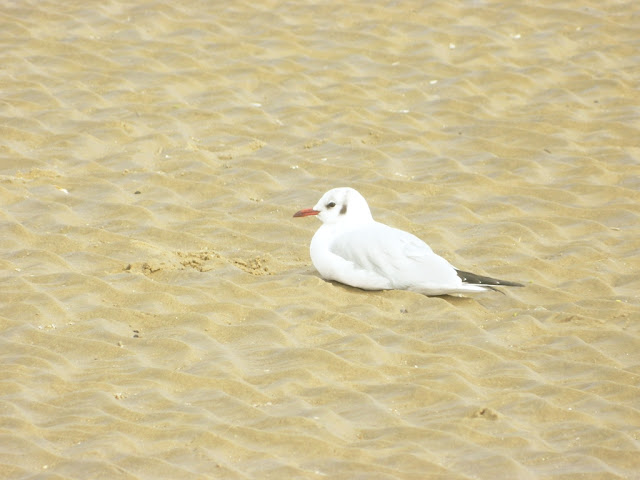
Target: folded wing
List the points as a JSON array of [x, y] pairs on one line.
[[402, 258]]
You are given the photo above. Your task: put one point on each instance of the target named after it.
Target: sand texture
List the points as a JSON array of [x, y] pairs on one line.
[[160, 317]]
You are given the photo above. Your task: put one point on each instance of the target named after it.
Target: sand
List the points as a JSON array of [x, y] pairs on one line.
[[159, 314]]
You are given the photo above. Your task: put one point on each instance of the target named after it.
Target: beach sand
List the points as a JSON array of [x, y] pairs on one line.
[[160, 317]]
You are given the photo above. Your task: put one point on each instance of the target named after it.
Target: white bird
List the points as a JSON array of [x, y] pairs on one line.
[[352, 248]]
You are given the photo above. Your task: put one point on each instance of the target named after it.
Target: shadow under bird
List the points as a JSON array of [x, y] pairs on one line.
[[350, 247]]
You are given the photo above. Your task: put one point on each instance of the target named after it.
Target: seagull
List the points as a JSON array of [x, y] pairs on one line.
[[350, 247]]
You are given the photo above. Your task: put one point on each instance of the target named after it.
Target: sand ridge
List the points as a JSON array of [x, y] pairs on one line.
[[159, 313]]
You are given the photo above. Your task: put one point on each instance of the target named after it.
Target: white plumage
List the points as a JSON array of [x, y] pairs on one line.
[[352, 248]]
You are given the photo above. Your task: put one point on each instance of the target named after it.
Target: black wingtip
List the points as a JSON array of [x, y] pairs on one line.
[[472, 278]]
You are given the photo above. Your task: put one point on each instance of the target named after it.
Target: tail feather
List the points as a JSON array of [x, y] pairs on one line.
[[472, 278]]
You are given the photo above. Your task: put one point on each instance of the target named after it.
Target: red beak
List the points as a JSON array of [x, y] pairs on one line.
[[306, 212]]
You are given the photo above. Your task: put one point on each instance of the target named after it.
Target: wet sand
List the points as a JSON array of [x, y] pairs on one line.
[[159, 313]]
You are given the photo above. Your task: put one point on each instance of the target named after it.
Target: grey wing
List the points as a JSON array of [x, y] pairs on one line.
[[399, 256]]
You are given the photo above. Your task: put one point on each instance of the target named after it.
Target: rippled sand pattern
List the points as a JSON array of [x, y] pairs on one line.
[[159, 314]]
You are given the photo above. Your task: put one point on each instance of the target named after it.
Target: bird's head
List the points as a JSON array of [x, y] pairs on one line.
[[340, 205]]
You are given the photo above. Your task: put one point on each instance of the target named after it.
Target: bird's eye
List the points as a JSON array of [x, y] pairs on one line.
[[331, 204]]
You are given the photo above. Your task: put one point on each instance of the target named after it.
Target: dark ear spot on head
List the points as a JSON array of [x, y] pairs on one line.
[[343, 210]]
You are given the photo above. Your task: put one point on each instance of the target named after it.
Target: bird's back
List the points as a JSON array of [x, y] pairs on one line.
[[400, 257]]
